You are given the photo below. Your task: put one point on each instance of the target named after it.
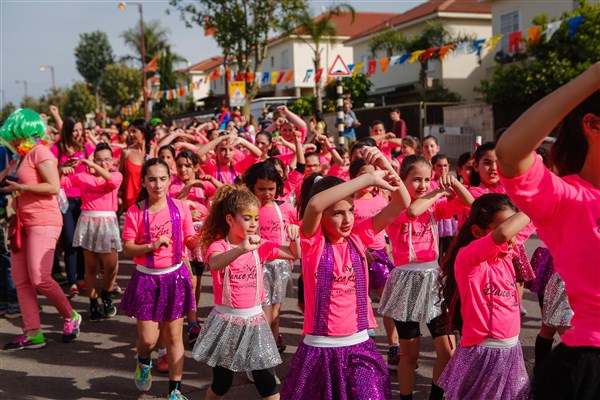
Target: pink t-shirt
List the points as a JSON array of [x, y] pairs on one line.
[[229, 173], [79, 155], [160, 225], [367, 208], [416, 240], [343, 317], [242, 274], [196, 194], [273, 228], [340, 172], [488, 292], [294, 181], [566, 212], [97, 194], [478, 191], [36, 209], [286, 159]]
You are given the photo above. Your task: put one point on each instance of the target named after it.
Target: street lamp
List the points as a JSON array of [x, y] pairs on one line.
[[24, 82], [143, 48], [51, 67]]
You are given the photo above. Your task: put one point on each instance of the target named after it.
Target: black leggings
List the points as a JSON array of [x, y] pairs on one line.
[[264, 380]]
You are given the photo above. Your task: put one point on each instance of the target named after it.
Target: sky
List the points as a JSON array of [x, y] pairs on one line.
[[45, 32]]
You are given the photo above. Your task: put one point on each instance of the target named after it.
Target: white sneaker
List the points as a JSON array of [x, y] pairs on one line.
[[250, 377]]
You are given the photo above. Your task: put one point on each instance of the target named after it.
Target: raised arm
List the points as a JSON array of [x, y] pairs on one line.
[[515, 147], [293, 118], [510, 228], [321, 201], [420, 205], [218, 261], [56, 117], [450, 182], [208, 147]]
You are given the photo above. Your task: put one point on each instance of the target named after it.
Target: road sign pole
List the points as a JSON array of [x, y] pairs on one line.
[[340, 111]]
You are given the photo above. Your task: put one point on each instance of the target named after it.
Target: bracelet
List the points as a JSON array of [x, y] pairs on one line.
[[331, 148], [292, 240], [21, 188]]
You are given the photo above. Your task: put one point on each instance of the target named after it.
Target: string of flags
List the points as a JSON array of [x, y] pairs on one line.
[[517, 43]]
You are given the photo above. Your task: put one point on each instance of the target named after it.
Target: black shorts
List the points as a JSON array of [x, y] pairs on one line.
[[198, 267], [411, 330], [569, 373], [300, 290]]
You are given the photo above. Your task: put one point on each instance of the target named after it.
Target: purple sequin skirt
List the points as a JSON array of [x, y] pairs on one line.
[[556, 311], [543, 266], [163, 297], [355, 372], [523, 270], [479, 372], [380, 269]]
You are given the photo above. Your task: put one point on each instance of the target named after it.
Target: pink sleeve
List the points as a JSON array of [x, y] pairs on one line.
[[311, 244], [220, 246], [89, 149], [294, 179], [187, 224], [286, 159], [365, 232], [403, 219], [303, 132], [268, 251], [245, 163], [40, 154], [445, 209], [69, 181], [336, 171], [115, 180], [478, 251], [539, 193], [130, 226]]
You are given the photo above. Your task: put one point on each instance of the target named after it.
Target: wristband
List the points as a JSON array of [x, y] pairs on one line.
[[21, 188], [292, 240], [331, 148]]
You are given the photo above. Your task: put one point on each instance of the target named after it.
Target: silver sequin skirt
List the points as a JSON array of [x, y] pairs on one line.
[[411, 295], [556, 311], [238, 343], [98, 231], [277, 281]]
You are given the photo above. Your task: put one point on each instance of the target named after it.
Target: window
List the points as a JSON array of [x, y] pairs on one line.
[[509, 22], [285, 59], [272, 61]]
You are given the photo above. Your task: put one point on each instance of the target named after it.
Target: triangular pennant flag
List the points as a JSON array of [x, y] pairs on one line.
[[372, 67], [552, 28], [462, 47], [403, 58], [393, 60], [414, 56], [477, 46], [350, 67], [574, 25], [444, 50], [384, 64], [265, 78], [318, 75], [218, 73], [280, 77], [515, 42], [250, 76], [428, 53], [307, 75], [274, 77], [492, 42], [289, 76], [534, 34], [358, 68], [191, 87]]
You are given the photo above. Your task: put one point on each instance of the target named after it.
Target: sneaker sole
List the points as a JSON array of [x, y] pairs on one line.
[[12, 316], [32, 347]]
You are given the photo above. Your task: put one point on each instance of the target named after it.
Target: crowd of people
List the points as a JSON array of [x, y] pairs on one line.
[[382, 219]]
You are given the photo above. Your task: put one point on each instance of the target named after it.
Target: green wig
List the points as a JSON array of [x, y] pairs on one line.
[[23, 124]]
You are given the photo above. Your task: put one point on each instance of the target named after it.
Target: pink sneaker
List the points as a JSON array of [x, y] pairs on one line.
[[162, 364], [71, 327]]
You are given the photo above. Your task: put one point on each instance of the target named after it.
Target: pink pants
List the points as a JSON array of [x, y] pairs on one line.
[[32, 270]]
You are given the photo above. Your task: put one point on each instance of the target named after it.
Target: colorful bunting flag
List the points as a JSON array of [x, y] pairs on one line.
[[515, 42], [384, 64], [372, 67], [318, 75], [307, 75], [414, 56], [444, 50], [574, 25], [289, 76], [534, 34], [552, 28], [492, 42]]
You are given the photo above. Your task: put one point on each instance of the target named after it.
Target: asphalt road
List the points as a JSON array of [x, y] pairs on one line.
[[100, 364]]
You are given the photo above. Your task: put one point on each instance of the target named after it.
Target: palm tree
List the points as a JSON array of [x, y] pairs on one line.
[[315, 31], [156, 39], [389, 40]]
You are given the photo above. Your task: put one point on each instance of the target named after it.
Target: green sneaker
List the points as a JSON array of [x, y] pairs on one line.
[[143, 376], [71, 327], [27, 342]]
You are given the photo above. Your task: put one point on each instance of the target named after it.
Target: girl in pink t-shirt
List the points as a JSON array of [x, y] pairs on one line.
[[478, 283], [411, 295], [565, 209], [97, 230], [326, 366], [266, 184], [156, 231], [224, 167], [236, 335], [367, 203]]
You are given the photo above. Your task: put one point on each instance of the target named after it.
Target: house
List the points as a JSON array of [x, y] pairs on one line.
[[511, 16], [457, 72], [287, 53]]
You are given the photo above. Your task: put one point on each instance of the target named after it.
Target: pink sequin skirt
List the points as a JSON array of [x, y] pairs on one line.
[[479, 372], [355, 372], [163, 297], [523, 270]]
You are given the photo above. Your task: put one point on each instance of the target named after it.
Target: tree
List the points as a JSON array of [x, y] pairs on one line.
[[515, 87], [241, 29], [79, 101], [168, 80], [6, 111], [358, 85], [315, 31], [389, 41], [121, 85], [31, 103], [304, 106], [156, 40], [54, 96], [92, 54]]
